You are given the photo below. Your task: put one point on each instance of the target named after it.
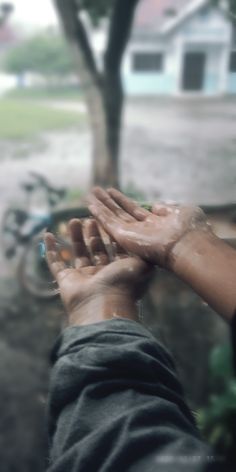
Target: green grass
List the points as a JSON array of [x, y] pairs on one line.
[[46, 93], [20, 119]]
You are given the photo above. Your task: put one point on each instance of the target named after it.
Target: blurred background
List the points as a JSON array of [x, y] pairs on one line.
[[140, 95]]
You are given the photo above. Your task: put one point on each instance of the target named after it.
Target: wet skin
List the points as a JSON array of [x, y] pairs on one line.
[[176, 237], [102, 284]]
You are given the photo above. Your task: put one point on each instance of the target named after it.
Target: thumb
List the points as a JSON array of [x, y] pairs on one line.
[[160, 209]]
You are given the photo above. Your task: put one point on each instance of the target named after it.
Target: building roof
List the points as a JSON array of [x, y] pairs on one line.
[[190, 9], [161, 16], [153, 14]]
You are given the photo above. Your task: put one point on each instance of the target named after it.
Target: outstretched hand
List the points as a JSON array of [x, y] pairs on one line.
[[150, 235], [96, 288]]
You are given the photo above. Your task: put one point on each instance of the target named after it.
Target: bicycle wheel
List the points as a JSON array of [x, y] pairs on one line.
[[61, 216], [33, 272], [12, 221]]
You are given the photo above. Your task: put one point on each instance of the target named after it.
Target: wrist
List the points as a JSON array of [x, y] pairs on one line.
[[208, 265], [192, 246], [103, 307]]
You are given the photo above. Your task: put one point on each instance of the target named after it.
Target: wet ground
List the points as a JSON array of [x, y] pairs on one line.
[[176, 150], [182, 150], [171, 149]]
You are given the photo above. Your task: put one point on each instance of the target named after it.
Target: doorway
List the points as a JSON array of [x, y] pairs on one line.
[[194, 71]]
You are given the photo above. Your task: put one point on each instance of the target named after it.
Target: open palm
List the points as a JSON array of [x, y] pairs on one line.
[[150, 235], [93, 273]]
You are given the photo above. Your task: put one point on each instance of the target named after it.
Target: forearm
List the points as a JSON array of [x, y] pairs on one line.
[[116, 404], [208, 265]]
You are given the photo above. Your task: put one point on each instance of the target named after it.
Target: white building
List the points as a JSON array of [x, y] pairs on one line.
[[8, 39], [181, 46]]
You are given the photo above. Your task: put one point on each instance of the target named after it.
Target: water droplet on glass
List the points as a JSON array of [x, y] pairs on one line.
[[204, 303]]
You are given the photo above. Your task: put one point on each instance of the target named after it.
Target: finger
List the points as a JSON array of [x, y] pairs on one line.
[[112, 224], [104, 235], [118, 251], [110, 203], [128, 205], [103, 215], [106, 239], [55, 262], [161, 209], [94, 242], [81, 254]]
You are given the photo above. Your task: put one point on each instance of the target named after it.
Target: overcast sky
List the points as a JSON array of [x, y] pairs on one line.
[[31, 12]]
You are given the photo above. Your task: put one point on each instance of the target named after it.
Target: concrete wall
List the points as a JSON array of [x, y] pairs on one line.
[[162, 83], [232, 83], [210, 32], [151, 83], [210, 26], [7, 82]]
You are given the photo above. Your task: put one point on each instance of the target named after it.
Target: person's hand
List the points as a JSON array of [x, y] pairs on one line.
[[96, 289], [150, 235]]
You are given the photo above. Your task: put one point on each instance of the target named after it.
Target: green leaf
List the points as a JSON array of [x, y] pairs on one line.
[[45, 53], [220, 363]]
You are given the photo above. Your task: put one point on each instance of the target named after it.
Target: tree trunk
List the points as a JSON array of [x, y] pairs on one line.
[[103, 94], [103, 172], [104, 104], [104, 100], [113, 106]]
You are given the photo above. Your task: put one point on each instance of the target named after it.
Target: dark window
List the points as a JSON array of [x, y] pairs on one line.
[[194, 71], [148, 62], [232, 62]]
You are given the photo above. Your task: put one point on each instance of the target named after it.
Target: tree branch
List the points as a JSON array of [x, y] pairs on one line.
[[120, 28], [76, 33]]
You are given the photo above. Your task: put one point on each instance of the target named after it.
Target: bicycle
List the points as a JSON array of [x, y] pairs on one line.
[[22, 230]]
